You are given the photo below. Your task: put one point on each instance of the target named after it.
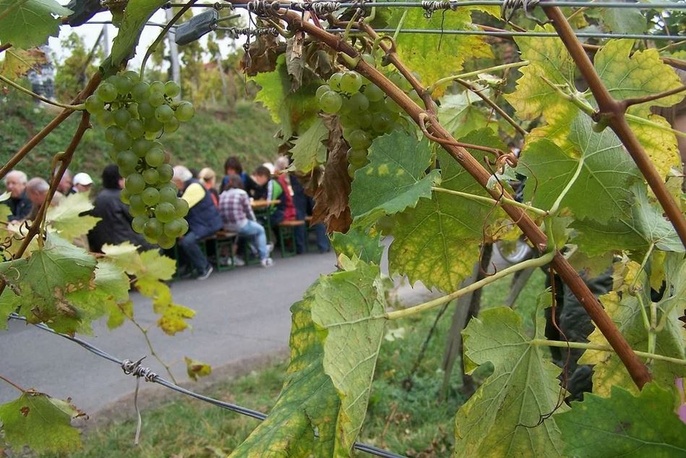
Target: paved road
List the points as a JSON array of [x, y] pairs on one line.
[[241, 314]]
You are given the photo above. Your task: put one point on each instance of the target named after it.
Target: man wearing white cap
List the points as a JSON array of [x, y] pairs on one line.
[[82, 182]]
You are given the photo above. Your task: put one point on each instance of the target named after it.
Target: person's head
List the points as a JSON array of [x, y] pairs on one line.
[[82, 182], [281, 163], [208, 177], [15, 182], [37, 190], [181, 175], [234, 181], [66, 182], [261, 175], [111, 179], [233, 165]]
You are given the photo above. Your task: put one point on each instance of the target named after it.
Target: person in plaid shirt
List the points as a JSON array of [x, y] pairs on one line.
[[237, 214]]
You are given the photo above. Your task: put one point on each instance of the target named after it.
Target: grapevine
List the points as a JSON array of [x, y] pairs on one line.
[[135, 114]]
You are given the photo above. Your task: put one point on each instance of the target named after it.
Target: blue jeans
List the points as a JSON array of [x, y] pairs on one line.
[[256, 231], [190, 248]]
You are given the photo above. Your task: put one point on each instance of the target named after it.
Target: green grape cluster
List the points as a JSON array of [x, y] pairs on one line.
[[135, 114], [364, 110]]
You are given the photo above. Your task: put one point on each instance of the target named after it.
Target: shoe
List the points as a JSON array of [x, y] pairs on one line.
[[270, 247], [207, 274], [267, 262], [238, 262]]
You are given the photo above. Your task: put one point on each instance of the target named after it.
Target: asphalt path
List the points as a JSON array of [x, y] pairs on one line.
[[242, 315]]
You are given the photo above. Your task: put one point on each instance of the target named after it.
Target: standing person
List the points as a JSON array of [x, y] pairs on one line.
[[209, 179], [203, 220], [19, 203], [82, 182], [115, 224], [237, 214]]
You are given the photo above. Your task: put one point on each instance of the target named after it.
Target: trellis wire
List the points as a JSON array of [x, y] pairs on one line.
[[134, 368]]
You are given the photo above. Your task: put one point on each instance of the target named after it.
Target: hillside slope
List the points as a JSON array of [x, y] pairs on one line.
[[206, 141]]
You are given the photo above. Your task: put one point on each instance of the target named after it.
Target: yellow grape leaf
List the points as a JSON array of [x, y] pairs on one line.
[[18, 62], [118, 313], [147, 265], [548, 59], [434, 56], [67, 217], [196, 369], [659, 144], [639, 75]]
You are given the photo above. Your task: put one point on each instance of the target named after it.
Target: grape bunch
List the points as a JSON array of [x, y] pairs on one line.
[[364, 110], [135, 114]]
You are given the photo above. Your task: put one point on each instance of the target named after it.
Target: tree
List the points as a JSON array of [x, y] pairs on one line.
[[366, 107]]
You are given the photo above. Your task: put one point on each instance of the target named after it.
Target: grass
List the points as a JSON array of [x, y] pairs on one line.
[[405, 414]]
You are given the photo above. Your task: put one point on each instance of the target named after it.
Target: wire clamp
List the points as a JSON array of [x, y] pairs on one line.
[[431, 6], [510, 7], [135, 369]]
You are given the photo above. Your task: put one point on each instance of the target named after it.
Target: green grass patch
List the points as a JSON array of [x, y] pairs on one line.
[[407, 412]]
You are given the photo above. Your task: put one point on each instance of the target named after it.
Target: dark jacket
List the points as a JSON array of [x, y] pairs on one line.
[[20, 207], [115, 226], [203, 218]]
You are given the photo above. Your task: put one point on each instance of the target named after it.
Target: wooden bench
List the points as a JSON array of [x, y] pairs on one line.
[[220, 245], [287, 236]]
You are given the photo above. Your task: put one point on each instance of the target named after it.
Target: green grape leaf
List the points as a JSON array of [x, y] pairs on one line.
[[394, 179], [624, 424], [42, 282], [308, 150], [40, 422], [548, 59], [136, 14], [606, 173], [292, 110], [426, 52], [196, 369], [620, 20], [118, 313], [110, 288], [635, 232], [66, 217], [360, 244], [640, 75], [147, 265], [609, 370], [437, 242], [18, 62], [29, 23], [459, 114], [502, 417], [336, 332]]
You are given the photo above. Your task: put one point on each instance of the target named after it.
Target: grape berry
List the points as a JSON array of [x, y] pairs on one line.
[[135, 114], [364, 110]]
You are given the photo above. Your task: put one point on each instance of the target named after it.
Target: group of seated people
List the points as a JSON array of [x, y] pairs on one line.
[[228, 207]]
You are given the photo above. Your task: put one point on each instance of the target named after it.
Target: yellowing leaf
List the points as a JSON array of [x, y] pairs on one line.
[[174, 318], [358, 244], [508, 414], [624, 424], [335, 336], [659, 144], [548, 59], [147, 265], [434, 56], [29, 23], [40, 422], [196, 369], [18, 62], [640, 75], [66, 217]]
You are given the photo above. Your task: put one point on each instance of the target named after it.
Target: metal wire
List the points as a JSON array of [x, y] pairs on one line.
[[527, 34], [135, 369], [457, 4]]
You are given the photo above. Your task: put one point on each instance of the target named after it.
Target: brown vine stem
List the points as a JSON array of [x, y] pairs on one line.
[[59, 119], [614, 110], [626, 103], [637, 370], [5, 46], [9, 382]]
